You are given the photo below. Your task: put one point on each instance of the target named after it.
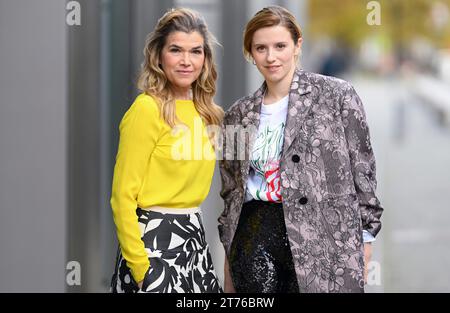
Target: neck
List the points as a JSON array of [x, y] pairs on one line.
[[182, 94], [278, 90]]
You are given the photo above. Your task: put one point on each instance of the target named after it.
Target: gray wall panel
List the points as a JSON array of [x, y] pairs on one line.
[[33, 174]]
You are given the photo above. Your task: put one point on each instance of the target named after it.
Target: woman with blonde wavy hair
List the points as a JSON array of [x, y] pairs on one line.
[[163, 172]]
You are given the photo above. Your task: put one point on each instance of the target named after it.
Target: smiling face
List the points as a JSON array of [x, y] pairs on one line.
[[182, 59], [275, 53]]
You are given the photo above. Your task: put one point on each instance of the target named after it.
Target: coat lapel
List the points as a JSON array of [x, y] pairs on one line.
[[298, 107], [251, 111]]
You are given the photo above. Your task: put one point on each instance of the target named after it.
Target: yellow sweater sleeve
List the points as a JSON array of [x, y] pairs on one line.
[[139, 132]]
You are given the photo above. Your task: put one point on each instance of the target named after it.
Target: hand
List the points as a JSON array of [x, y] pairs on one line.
[[228, 281], [367, 257], [140, 284], [229, 288]]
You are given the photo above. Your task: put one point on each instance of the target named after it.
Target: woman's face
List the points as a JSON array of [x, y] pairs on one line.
[[275, 53], [182, 59]]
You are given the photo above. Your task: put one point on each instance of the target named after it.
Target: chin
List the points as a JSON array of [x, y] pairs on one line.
[[280, 75], [184, 84], [274, 77]]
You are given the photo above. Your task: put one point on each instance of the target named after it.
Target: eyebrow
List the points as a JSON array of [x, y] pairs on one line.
[[264, 44], [176, 46]]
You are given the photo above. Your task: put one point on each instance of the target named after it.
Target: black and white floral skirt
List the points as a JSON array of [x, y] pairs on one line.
[[179, 256]]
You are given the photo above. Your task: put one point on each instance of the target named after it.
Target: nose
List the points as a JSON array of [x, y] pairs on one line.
[[186, 59], [270, 57]]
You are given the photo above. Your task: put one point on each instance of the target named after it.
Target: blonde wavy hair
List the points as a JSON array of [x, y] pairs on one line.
[[153, 81]]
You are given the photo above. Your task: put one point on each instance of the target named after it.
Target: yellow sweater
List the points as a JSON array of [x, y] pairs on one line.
[[157, 166]]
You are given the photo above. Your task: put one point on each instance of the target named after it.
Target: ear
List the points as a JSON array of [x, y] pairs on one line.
[[298, 47], [251, 58]]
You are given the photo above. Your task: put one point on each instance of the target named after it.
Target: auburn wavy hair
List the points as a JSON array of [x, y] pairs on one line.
[[153, 81], [267, 17]]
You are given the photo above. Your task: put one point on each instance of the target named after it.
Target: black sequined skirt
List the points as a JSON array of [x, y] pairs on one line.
[[260, 256]]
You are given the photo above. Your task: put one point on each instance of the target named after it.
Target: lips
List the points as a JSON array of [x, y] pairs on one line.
[[273, 68], [184, 72]]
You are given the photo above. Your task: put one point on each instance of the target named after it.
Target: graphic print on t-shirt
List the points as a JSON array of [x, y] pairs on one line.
[[266, 162]]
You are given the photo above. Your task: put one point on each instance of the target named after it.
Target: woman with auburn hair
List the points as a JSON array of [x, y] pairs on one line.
[[156, 194], [301, 211]]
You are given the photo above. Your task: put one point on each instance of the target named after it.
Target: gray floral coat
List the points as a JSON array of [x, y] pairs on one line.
[[328, 180]]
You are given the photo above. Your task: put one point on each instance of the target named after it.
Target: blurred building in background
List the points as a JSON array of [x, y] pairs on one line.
[[64, 89]]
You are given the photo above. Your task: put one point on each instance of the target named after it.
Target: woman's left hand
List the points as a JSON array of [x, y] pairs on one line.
[[367, 257]]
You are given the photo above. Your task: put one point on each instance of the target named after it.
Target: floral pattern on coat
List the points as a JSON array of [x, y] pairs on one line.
[[328, 180]]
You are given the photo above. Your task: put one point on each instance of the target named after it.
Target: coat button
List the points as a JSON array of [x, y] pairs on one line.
[[295, 158], [303, 200]]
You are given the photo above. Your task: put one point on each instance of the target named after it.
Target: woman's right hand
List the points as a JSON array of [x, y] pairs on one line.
[[142, 281]]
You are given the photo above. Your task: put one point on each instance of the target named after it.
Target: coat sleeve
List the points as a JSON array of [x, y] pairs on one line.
[[228, 170], [362, 160]]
